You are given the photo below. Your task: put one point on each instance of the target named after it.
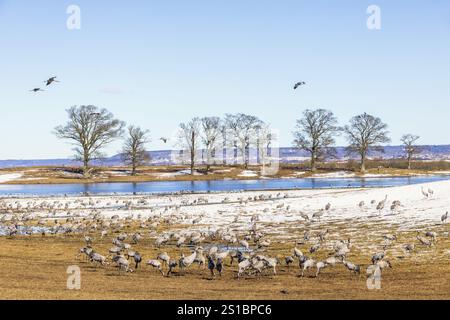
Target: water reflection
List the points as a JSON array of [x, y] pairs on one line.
[[212, 185]]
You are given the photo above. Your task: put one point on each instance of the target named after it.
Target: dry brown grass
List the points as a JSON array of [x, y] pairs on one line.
[[54, 175], [35, 268], [58, 175]]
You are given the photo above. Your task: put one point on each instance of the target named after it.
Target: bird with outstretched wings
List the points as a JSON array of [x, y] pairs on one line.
[[51, 80], [36, 90], [298, 84]]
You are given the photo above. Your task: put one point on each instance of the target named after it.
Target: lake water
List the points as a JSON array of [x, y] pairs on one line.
[[211, 186]]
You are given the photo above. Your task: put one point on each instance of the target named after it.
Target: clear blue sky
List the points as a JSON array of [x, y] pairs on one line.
[[157, 63]]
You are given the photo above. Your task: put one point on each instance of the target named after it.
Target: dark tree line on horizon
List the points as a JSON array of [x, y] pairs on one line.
[[90, 129]]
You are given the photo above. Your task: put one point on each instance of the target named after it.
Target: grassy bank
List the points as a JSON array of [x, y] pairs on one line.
[[63, 175], [35, 268]]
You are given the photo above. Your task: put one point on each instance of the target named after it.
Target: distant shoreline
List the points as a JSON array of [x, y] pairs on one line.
[[72, 175], [287, 155]]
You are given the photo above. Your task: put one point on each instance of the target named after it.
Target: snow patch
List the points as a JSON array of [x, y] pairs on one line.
[[10, 177], [337, 174], [248, 174]]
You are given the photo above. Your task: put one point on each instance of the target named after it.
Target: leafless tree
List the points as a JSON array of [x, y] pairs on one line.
[[189, 140], [224, 138], [134, 153], [266, 137], [411, 149], [364, 133], [210, 136], [242, 128], [90, 129], [315, 134]]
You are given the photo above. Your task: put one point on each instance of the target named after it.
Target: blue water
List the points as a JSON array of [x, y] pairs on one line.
[[211, 186]]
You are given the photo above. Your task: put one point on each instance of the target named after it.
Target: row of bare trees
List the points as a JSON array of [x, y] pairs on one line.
[[317, 129], [213, 135], [90, 129]]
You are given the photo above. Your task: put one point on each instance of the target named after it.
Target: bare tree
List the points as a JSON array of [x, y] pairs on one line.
[[409, 142], [364, 133], [242, 128], [189, 139], [266, 137], [90, 129], [134, 153], [210, 136], [224, 138], [315, 134]]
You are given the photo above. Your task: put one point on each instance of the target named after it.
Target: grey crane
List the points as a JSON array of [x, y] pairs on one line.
[[425, 194], [320, 265], [409, 247], [164, 257], [378, 257], [50, 81], [352, 267], [219, 266], [211, 266], [36, 90], [299, 84], [155, 264], [444, 217], [424, 241], [381, 204], [289, 260], [137, 259], [318, 214], [172, 265]]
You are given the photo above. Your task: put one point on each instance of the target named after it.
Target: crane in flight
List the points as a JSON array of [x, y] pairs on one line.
[[51, 80], [299, 84], [36, 90]]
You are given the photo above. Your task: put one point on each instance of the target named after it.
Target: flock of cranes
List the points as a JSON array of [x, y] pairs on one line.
[[427, 193], [249, 251], [250, 260], [47, 82], [53, 79]]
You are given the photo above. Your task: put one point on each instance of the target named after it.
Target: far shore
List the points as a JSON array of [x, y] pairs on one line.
[[73, 175]]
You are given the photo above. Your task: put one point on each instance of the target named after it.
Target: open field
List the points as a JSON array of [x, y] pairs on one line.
[[65, 175], [34, 266]]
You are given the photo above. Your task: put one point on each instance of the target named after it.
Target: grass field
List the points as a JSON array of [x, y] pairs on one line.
[[59, 175], [35, 268]]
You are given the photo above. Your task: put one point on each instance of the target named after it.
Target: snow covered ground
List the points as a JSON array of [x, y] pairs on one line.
[[338, 174], [10, 177], [235, 210], [248, 174], [347, 174]]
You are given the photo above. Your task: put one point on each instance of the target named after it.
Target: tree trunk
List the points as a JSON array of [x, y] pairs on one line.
[[363, 163], [86, 173], [192, 152], [313, 162], [208, 158], [133, 170], [409, 162], [192, 161]]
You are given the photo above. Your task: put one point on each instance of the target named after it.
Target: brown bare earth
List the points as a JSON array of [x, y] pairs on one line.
[[66, 175], [35, 268]]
